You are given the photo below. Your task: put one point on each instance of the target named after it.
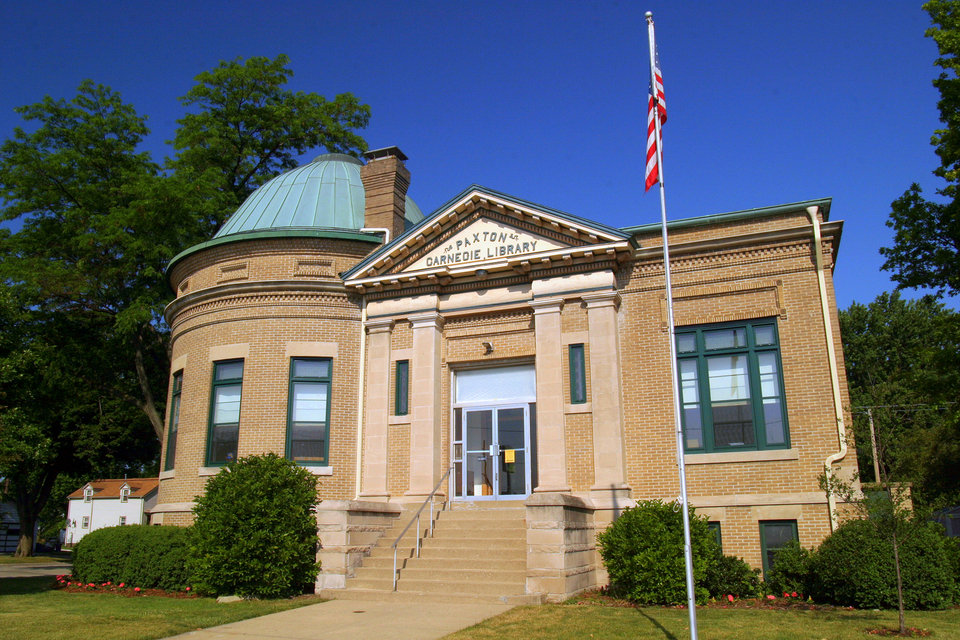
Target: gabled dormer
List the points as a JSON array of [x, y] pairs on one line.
[[124, 492], [88, 492], [483, 236]]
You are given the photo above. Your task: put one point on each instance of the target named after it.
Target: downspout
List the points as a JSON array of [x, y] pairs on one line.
[[360, 382], [832, 361]]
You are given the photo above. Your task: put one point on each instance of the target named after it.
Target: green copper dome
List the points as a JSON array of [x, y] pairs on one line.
[[324, 194]]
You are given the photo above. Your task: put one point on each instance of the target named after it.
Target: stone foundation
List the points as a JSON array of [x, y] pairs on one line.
[[348, 530]]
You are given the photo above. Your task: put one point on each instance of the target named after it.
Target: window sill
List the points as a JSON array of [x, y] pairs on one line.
[[740, 456], [166, 475], [319, 471], [404, 419], [208, 471], [583, 407]]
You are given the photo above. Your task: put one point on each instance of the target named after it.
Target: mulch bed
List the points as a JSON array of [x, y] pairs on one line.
[[67, 584]]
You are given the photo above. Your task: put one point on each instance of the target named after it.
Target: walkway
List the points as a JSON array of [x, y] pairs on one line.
[[33, 569], [355, 619]]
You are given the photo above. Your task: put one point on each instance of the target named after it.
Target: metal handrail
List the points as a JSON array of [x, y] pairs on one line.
[[416, 517]]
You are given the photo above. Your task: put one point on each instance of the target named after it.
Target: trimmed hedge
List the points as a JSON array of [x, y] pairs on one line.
[[149, 557], [854, 567], [643, 553], [730, 575], [790, 571], [255, 533]]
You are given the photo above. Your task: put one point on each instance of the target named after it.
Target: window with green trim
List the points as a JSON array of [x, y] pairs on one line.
[[731, 387], [401, 392], [173, 421], [308, 412], [224, 430], [775, 535], [578, 374], [715, 530]]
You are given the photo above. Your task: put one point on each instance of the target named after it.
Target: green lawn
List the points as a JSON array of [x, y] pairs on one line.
[[556, 622], [31, 610]]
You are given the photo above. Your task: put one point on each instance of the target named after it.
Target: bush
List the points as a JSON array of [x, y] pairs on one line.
[[139, 555], [730, 575], [255, 533], [790, 571], [643, 553], [854, 567]]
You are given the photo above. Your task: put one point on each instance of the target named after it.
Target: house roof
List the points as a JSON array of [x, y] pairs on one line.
[[110, 488]]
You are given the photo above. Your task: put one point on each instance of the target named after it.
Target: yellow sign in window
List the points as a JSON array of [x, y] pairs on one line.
[[509, 456]]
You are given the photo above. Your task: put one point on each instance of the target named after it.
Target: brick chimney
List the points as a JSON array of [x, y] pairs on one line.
[[385, 181]]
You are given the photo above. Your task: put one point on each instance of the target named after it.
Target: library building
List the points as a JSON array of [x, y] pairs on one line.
[[505, 366]]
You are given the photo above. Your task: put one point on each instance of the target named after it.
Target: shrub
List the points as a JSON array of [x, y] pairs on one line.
[[790, 571], [730, 575], [643, 553], [139, 555], [854, 567], [255, 533]]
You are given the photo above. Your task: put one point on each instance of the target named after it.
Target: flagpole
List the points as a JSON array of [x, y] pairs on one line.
[[687, 550]]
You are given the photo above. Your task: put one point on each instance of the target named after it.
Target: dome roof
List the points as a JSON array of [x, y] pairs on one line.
[[324, 194]]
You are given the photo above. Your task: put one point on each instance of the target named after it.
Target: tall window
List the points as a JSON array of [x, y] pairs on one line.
[[225, 411], [308, 414], [578, 375], [174, 421], [402, 388], [123, 521], [85, 522], [731, 387], [714, 528], [775, 535], [124, 495]]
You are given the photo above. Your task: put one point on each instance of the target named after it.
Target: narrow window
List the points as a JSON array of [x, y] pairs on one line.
[[402, 388], [124, 495], [715, 530], [85, 523], [308, 411], [578, 375], [225, 412], [173, 421], [123, 520], [775, 535], [87, 495]]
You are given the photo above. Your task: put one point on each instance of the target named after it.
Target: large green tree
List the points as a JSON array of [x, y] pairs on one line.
[[903, 362], [926, 248], [96, 222]]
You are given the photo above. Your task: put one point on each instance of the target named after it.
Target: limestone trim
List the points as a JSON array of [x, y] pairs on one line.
[[166, 475], [756, 499], [551, 439], [773, 307], [179, 363], [236, 289], [318, 471], [208, 471], [379, 325], [230, 352], [740, 457], [585, 407], [406, 419], [425, 402], [375, 459], [401, 354], [312, 350], [173, 507], [575, 337]]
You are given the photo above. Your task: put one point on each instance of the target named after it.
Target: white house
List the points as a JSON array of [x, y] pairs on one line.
[[109, 503]]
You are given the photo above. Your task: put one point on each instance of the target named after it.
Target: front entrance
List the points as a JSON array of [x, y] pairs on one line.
[[492, 438]]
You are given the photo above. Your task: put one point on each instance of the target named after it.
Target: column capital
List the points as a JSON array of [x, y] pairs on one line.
[[601, 299], [379, 325], [430, 320], [546, 305]]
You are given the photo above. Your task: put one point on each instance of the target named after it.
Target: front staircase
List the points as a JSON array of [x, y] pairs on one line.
[[478, 553]]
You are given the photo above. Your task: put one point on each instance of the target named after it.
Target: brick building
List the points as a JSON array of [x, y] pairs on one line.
[[521, 348]]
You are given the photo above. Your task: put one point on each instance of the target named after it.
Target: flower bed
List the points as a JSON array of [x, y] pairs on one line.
[[68, 584]]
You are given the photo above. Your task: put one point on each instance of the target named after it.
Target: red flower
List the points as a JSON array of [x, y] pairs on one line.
[[786, 595], [771, 598], [136, 589], [123, 584], [730, 598], [188, 588], [794, 594]]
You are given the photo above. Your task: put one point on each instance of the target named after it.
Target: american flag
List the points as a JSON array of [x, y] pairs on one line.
[[653, 169]]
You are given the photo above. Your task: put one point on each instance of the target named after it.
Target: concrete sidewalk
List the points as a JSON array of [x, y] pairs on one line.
[[355, 619], [34, 569]]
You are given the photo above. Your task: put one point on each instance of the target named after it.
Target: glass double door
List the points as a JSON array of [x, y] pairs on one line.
[[496, 452]]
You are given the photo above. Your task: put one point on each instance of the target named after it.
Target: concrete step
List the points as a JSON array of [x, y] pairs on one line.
[[414, 571], [495, 539], [517, 562], [440, 586], [376, 595], [516, 553]]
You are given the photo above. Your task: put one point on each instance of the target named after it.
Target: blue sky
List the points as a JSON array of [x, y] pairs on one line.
[[769, 102]]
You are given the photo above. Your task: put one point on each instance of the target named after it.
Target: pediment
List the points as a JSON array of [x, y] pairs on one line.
[[481, 232]]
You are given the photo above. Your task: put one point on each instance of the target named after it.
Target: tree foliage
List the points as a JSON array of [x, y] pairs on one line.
[[903, 360], [255, 532], [926, 249]]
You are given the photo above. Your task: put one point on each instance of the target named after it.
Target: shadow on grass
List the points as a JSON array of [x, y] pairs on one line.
[[656, 623], [24, 586]]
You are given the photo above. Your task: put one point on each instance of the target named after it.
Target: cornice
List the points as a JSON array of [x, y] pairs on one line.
[[246, 289]]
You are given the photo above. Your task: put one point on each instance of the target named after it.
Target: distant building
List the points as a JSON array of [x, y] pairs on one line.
[[108, 503], [9, 527], [522, 348]]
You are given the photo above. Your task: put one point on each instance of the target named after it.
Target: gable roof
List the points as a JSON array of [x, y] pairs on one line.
[[110, 488], [447, 213]]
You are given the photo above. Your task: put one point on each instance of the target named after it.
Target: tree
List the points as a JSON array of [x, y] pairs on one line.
[[247, 127], [926, 249], [903, 366]]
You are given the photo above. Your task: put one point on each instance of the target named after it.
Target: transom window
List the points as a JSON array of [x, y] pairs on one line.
[[308, 413], [225, 411], [174, 421], [731, 387]]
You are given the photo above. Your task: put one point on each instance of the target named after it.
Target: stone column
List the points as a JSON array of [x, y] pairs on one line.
[[609, 489], [425, 454], [377, 413], [551, 441]]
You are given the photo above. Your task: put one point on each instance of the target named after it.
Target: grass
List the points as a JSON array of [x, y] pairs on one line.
[[30, 609], [47, 557], [556, 622]]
